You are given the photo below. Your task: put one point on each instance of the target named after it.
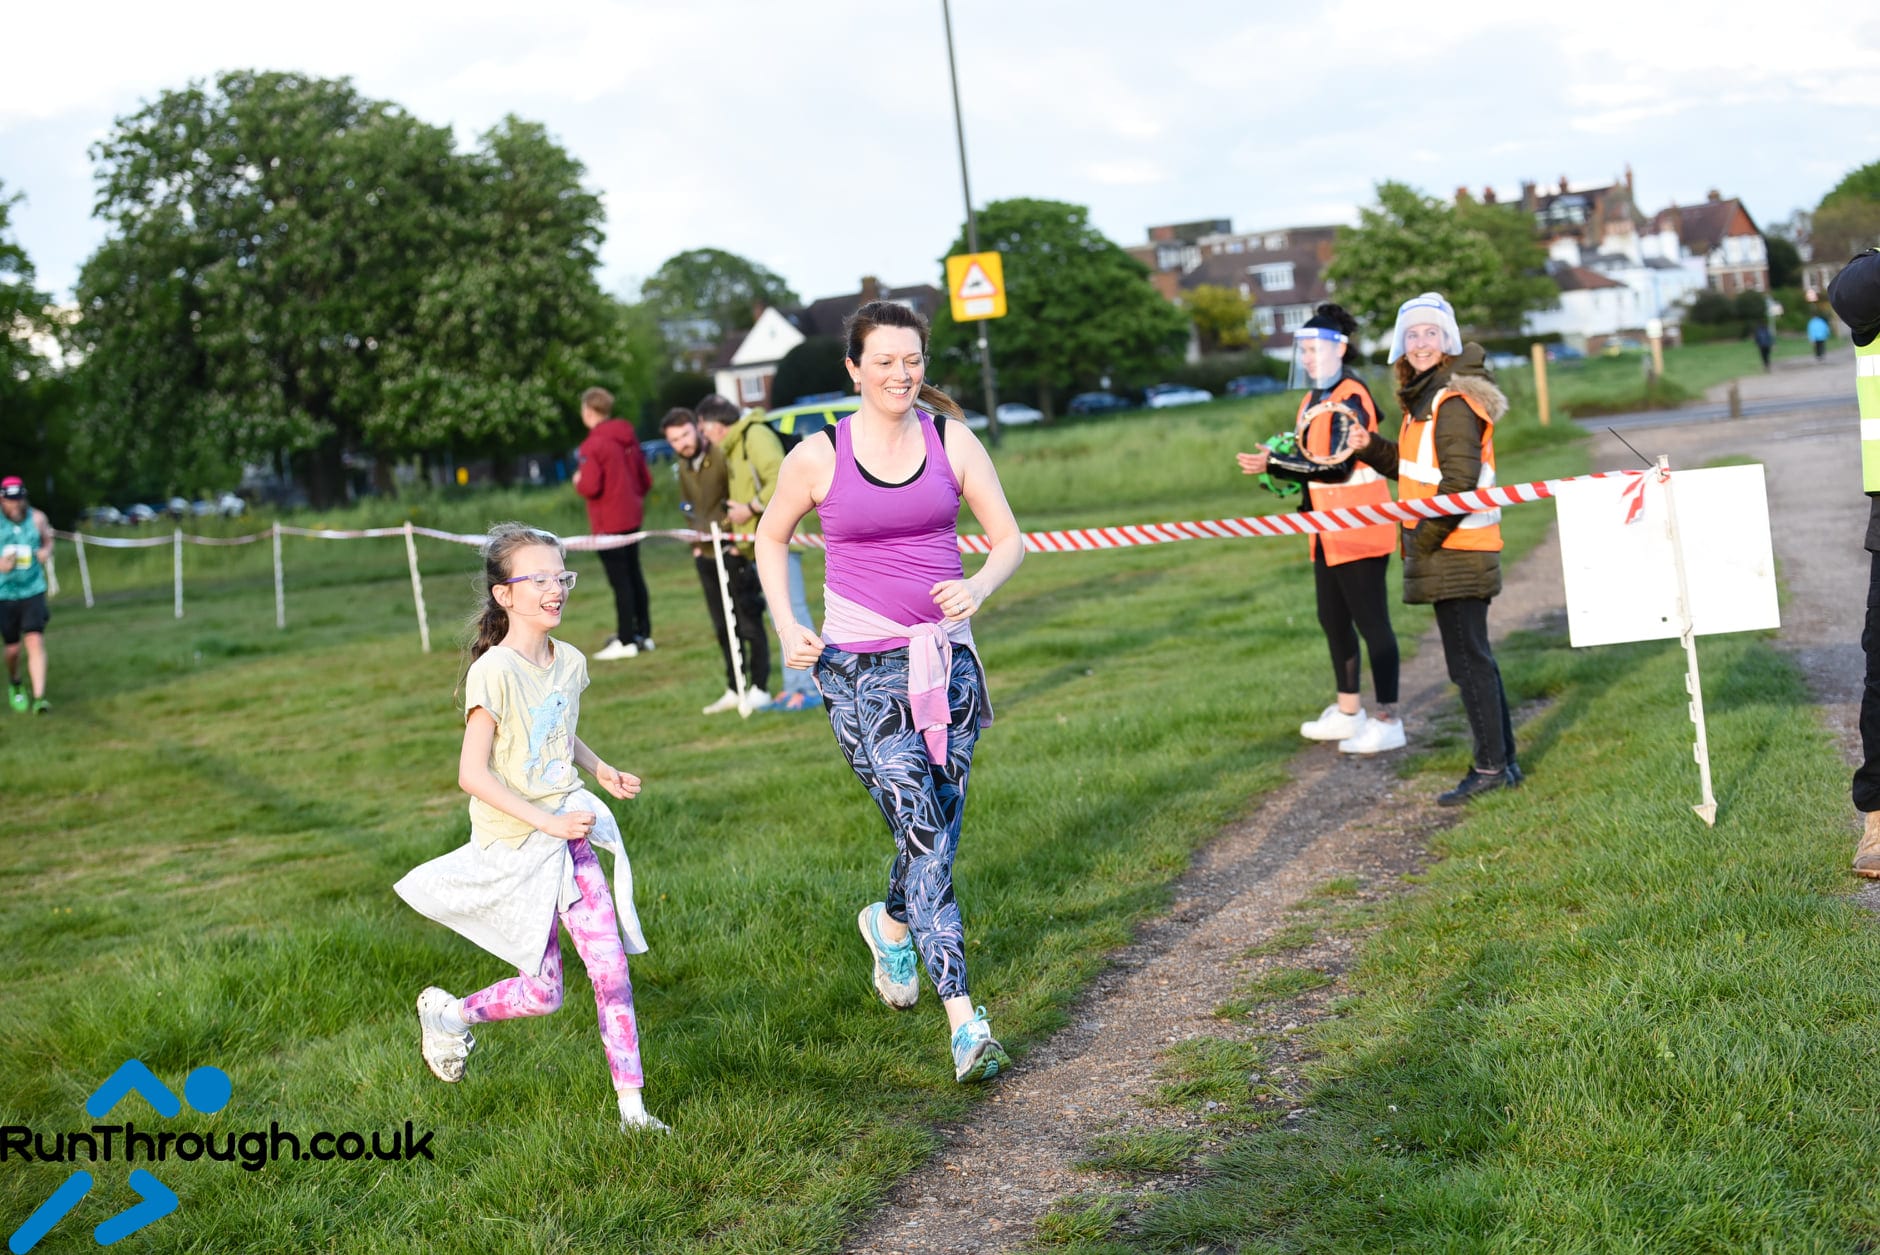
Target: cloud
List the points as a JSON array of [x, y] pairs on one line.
[[1125, 173]]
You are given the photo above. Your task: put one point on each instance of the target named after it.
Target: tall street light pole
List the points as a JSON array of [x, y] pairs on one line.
[[972, 232]]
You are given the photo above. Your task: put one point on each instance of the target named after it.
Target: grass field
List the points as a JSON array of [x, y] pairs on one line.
[[200, 845]]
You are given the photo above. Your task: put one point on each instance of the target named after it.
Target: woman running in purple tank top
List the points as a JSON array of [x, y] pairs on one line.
[[896, 662]]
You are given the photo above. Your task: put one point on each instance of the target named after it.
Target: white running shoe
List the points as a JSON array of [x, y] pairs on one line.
[[644, 1120], [728, 702], [444, 1051], [646, 645], [754, 699], [1332, 724], [1375, 737], [616, 649]]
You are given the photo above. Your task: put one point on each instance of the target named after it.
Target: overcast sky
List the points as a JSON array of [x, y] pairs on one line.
[[817, 137]]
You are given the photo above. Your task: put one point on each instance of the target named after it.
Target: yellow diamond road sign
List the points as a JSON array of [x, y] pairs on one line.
[[976, 282]]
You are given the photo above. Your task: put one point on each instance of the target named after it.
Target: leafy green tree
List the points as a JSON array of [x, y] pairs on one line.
[[1848, 218], [22, 306], [628, 358], [1785, 262], [812, 367], [1220, 316], [1484, 261], [712, 285], [1077, 306], [34, 397]]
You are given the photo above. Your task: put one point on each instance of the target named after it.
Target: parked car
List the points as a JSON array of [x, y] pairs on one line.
[[657, 450], [105, 515], [794, 422], [1564, 353], [1163, 396], [1017, 413], [177, 508], [1097, 403], [204, 508], [231, 506], [977, 421], [1253, 385], [1622, 344], [140, 514], [1505, 361]]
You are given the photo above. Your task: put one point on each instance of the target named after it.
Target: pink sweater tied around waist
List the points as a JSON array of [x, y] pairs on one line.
[[929, 661]]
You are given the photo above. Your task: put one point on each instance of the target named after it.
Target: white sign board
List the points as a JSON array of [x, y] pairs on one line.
[[1622, 579]]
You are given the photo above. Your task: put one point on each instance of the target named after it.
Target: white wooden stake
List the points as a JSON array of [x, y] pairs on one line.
[[84, 571], [731, 620], [1706, 809], [178, 565], [417, 589], [280, 585]]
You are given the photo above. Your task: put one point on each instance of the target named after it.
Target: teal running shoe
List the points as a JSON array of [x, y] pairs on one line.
[[897, 976], [977, 1054]]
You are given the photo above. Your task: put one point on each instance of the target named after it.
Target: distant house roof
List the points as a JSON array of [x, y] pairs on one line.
[[1580, 279], [826, 316], [1703, 227], [727, 349]]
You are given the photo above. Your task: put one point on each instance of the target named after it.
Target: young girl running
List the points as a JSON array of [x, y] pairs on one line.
[[530, 859]]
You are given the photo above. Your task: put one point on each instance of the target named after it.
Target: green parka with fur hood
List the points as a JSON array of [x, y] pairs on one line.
[[1430, 572]]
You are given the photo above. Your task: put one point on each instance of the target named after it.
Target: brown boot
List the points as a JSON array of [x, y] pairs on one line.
[[1867, 853]]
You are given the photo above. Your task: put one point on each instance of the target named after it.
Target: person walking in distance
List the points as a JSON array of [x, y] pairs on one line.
[[897, 662], [614, 478], [25, 554], [704, 486], [530, 859], [1855, 296], [1453, 563], [1348, 567]]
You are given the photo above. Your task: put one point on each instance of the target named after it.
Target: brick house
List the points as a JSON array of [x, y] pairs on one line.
[[1280, 272], [1721, 233]]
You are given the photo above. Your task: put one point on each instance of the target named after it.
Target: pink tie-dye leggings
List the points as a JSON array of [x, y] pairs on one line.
[[596, 935]]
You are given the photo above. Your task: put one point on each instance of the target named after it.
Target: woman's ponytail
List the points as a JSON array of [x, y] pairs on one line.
[[937, 403]]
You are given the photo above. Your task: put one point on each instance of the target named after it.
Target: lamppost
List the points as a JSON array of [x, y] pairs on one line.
[[972, 232]]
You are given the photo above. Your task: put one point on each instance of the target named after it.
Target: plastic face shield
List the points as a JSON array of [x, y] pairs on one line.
[[1318, 357]]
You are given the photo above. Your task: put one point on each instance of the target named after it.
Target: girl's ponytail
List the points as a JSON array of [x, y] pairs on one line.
[[488, 628], [937, 402]]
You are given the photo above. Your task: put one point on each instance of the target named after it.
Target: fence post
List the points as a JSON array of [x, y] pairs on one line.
[[177, 564], [417, 588], [1540, 380], [280, 587], [84, 571]]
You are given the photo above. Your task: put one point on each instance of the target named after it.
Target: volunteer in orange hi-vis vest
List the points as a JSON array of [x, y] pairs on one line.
[[1453, 564], [1855, 296], [1347, 566]]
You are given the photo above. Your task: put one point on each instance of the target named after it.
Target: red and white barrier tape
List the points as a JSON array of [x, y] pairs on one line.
[[1301, 523]]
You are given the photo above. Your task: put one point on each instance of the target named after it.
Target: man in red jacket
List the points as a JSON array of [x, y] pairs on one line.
[[614, 479]]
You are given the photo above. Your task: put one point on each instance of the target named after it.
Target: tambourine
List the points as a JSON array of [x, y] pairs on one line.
[[1344, 423]]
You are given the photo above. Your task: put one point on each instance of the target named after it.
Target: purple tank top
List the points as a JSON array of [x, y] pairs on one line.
[[889, 546]]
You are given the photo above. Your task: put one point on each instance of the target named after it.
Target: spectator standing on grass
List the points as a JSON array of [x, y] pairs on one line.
[[897, 662], [1855, 296], [1348, 567], [1450, 406], [1818, 335], [753, 458], [530, 859], [614, 478], [1765, 341], [25, 555], [704, 488]]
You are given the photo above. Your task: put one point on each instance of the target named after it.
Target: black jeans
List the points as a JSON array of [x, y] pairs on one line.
[[633, 615], [747, 603], [1353, 593], [1463, 623], [1867, 779]]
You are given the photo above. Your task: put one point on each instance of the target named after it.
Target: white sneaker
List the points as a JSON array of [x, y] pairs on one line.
[[644, 1120], [444, 1051], [1332, 724], [616, 649], [646, 645], [754, 699], [728, 702], [1375, 737]]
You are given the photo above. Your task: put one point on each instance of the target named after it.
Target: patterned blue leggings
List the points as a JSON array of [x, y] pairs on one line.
[[923, 802]]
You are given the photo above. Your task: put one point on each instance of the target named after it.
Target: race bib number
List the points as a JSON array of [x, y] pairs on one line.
[[17, 557]]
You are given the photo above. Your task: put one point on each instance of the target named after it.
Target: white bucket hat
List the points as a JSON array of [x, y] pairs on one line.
[[1429, 308]]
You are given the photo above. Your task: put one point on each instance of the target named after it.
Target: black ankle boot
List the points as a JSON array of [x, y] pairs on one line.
[[1473, 784]]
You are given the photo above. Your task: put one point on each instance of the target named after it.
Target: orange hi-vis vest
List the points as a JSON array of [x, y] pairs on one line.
[[1418, 474], [1365, 487]]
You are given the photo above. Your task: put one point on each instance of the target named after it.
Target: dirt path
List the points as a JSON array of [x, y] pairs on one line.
[[1342, 816]]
